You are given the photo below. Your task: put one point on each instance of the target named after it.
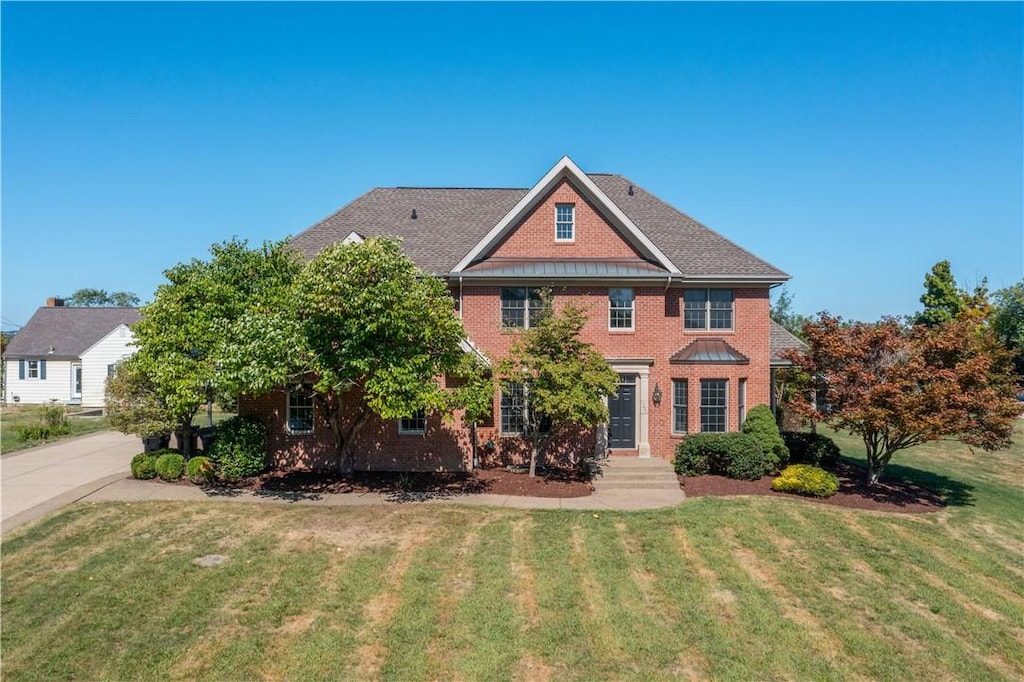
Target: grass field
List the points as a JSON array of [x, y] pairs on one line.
[[744, 588], [15, 416]]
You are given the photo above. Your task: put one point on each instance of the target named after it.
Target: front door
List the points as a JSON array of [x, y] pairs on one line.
[[622, 414], [76, 382]]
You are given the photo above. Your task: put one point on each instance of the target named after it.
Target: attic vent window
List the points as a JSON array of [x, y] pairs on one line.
[[565, 222]]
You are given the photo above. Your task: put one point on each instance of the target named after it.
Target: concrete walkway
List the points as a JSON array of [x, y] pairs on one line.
[[37, 481]]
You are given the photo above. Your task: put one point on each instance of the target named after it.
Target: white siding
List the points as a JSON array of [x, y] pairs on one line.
[[57, 384], [109, 350]]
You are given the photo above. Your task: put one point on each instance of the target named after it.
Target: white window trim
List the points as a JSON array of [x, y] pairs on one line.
[[707, 329], [741, 403], [686, 407], [28, 370], [726, 408], [412, 432], [632, 311], [572, 223], [288, 421]]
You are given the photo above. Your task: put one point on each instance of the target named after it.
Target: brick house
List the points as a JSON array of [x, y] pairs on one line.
[[680, 312]]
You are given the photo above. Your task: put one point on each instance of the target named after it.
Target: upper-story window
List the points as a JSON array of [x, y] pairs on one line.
[[620, 309], [33, 369], [565, 222], [521, 307], [707, 308]]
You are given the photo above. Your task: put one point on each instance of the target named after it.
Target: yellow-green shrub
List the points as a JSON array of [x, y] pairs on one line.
[[804, 479]]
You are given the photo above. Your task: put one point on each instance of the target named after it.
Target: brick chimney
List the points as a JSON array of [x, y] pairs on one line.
[[54, 302]]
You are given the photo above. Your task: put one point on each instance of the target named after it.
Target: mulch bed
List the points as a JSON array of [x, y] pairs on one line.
[[418, 486], [888, 495]]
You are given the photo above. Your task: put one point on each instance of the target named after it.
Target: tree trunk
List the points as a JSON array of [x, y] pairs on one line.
[[344, 446], [533, 459]]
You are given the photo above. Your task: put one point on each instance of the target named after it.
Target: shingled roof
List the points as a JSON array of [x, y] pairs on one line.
[[450, 222], [780, 339], [68, 331]]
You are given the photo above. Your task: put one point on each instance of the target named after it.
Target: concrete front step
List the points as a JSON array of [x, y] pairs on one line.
[[636, 485]]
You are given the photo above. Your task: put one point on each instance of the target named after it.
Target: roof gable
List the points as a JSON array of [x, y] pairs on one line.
[[66, 332], [566, 170]]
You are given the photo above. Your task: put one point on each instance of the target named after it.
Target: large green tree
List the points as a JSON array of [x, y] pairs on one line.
[[182, 331], [95, 298], [944, 300], [1008, 321], [561, 381], [783, 312], [897, 386], [364, 325]]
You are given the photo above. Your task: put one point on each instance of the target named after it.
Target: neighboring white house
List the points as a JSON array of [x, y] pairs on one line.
[[65, 354]]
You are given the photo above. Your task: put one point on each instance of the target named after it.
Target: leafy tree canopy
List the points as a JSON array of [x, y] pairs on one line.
[[565, 381], [898, 387], [783, 313], [1008, 322], [944, 300], [100, 298]]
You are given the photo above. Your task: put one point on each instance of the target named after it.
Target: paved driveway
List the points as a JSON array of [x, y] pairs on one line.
[[37, 481]]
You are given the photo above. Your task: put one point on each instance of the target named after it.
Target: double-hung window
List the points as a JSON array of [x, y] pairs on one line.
[[679, 405], [620, 308], [565, 222], [413, 425], [300, 413], [32, 369], [512, 409], [707, 308], [713, 405], [521, 307]]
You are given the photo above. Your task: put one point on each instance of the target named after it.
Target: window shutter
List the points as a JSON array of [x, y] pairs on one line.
[[21, 369], [42, 370]]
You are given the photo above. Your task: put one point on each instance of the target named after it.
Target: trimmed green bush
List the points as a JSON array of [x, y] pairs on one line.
[[239, 448], [144, 466], [200, 469], [169, 467], [811, 448], [760, 423], [736, 455], [804, 479]]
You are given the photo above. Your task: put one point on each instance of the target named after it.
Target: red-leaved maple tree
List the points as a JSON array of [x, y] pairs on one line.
[[898, 386]]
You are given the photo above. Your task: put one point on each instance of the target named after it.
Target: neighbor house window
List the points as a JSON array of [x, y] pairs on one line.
[[414, 425], [512, 409], [111, 368], [679, 405], [565, 222], [707, 308], [521, 307], [32, 369], [300, 413], [713, 405], [620, 308]]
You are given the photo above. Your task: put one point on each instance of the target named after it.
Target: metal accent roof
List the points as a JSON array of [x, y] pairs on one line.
[[527, 267], [708, 351]]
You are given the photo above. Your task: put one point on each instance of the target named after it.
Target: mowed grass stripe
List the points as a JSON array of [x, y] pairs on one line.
[[922, 643], [485, 639], [407, 631]]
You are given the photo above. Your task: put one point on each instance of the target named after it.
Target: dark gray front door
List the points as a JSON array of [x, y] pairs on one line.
[[622, 414]]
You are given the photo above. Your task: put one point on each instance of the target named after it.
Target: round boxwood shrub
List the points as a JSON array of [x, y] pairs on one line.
[[736, 455], [811, 448], [144, 466], [170, 466], [199, 469], [239, 448], [804, 479], [760, 423]]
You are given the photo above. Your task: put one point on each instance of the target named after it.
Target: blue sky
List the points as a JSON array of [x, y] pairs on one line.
[[851, 145]]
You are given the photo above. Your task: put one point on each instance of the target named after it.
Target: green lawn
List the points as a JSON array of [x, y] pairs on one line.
[[745, 588], [15, 416]]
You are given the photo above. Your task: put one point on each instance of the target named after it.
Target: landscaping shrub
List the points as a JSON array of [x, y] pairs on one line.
[[239, 448], [760, 423], [170, 466], [56, 418], [144, 466], [811, 448], [199, 469], [804, 479], [736, 455]]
